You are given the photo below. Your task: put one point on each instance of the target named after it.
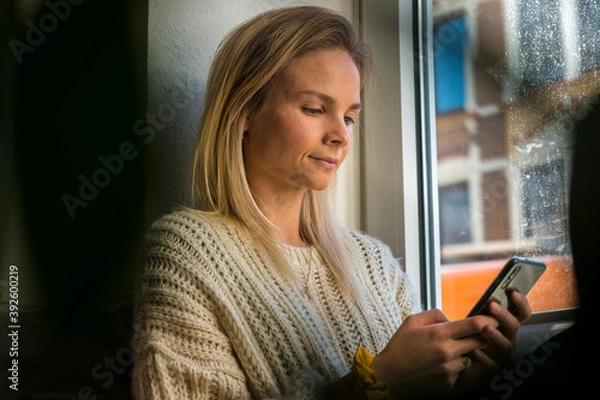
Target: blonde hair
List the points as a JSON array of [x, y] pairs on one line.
[[242, 72]]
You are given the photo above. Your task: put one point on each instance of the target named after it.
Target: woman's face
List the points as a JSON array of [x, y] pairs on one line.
[[302, 133]]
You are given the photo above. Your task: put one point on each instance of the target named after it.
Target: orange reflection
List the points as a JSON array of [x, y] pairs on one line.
[[463, 284]]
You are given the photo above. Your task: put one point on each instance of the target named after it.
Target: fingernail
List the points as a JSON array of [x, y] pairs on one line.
[[517, 296], [495, 307]]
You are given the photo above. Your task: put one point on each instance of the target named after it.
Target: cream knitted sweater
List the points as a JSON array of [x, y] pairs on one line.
[[212, 322]]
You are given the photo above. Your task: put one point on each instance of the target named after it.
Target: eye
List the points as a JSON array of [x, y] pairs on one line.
[[349, 120], [311, 111]]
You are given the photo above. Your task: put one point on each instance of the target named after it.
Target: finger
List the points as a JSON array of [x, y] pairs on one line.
[[522, 309], [481, 358], [429, 317], [471, 343], [500, 347], [470, 326], [508, 323]]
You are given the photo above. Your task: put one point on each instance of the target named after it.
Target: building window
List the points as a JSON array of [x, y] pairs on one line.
[[541, 41], [449, 41], [454, 214], [544, 206], [588, 15]]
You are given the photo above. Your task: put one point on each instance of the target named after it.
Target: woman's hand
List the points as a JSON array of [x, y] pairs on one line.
[[502, 340], [425, 355]]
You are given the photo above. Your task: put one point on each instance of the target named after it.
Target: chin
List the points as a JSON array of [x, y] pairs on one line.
[[319, 186]]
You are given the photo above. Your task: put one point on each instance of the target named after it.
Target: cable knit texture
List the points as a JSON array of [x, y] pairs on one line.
[[213, 321]]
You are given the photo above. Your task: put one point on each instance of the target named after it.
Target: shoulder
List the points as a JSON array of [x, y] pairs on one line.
[[187, 231], [185, 219], [369, 246], [192, 245], [188, 222]]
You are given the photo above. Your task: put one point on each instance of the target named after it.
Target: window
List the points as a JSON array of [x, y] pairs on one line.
[[450, 40], [455, 221], [540, 41], [511, 77], [588, 14], [544, 206]]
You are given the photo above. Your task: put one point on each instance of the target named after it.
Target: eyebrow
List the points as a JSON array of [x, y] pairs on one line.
[[328, 99]]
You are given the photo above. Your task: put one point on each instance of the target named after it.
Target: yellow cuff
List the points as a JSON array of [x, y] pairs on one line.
[[366, 381]]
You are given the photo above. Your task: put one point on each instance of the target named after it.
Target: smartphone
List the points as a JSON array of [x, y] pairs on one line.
[[519, 273]]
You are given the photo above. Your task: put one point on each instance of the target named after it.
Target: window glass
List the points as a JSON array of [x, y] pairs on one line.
[[511, 78]]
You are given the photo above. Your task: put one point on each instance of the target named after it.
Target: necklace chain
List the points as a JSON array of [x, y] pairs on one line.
[[307, 274]]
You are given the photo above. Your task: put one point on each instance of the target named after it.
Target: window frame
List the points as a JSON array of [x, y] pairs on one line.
[[400, 217]]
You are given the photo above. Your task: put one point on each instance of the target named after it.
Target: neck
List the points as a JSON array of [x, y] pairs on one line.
[[284, 213]]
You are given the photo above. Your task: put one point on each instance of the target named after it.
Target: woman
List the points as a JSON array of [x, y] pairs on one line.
[[257, 292]]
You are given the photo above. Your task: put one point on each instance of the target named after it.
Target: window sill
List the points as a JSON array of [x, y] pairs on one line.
[[542, 326]]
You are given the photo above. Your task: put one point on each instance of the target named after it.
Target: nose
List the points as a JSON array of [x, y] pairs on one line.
[[338, 132]]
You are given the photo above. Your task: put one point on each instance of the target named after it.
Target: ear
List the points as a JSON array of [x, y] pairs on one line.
[[247, 123]]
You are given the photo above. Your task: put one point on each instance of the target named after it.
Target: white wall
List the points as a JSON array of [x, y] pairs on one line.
[[182, 38]]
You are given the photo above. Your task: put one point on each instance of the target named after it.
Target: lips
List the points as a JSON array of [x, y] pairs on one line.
[[327, 162]]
